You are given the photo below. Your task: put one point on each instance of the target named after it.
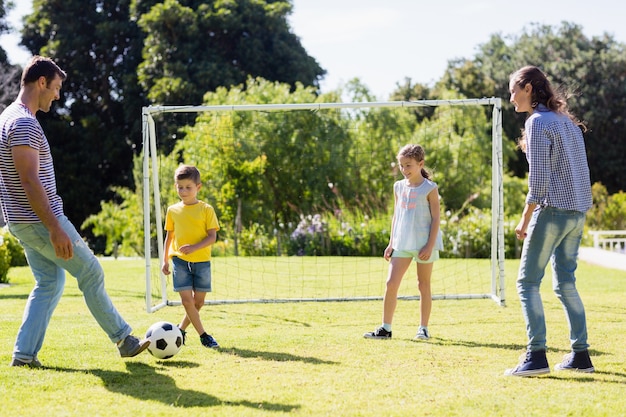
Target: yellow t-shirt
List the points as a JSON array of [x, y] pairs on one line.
[[190, 225]]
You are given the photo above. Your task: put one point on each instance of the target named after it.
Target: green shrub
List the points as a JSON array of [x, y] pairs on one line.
[[5, 260], [18, 257]]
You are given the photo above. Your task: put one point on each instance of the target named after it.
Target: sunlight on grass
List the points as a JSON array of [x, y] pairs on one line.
[[310, 359]]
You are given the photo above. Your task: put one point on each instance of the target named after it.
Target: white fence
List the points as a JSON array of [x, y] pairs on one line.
[[613, 240]]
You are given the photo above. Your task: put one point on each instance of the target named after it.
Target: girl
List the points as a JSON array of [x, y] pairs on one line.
[[415, 235]]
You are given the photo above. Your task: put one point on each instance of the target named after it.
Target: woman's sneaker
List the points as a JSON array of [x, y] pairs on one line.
[[576, 361], [379, 333], [534, 363]]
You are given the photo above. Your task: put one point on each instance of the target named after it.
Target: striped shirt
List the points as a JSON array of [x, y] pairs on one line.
[[18, 126], [557, 161]]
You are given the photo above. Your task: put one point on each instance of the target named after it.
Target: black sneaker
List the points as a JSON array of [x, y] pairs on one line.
[[32, 364], [208, 341], [535, 363], [184, 333], [379, 333], [576, 361]]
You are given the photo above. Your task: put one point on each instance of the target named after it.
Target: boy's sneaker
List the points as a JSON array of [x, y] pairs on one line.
[[131, 346], [379, 333], [208, 341], [535, 363], [422, 333], [32, 364], [184, 333], [576, 361]]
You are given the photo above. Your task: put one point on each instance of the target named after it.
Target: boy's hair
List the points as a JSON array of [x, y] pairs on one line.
[[40, 66], [187, 172]]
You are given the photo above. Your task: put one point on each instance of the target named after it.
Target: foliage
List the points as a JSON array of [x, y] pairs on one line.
[[237, 39], [120, 224], [95, 129], [5, 260], [16, 251], [592, 71]]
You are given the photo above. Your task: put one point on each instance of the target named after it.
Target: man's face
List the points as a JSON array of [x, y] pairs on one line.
[[49, 92]]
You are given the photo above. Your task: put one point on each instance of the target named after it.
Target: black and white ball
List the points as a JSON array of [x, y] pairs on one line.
[[165, 339]]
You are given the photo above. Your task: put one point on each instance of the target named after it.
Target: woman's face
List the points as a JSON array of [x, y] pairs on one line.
[[521, 97]]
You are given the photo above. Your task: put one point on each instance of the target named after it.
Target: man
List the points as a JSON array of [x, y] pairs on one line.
[[34, 214]]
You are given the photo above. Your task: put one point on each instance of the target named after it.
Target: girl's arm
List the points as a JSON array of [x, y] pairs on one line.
[[433, 202], [389, 248]]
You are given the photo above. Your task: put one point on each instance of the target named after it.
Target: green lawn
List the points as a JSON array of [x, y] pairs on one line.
[[310, 359]]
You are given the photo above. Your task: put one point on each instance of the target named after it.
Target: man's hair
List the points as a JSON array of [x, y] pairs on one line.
[[41, 67], [187, 172]]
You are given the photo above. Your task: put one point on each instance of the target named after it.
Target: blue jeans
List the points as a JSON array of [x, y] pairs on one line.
[[49, 273], [553, 235]]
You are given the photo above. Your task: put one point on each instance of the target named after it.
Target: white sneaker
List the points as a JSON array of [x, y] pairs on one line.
[[422, 334]]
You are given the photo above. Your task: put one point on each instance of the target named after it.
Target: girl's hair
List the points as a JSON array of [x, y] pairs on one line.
[[41, 67], [414, 152], [187, 172], [542, 93]]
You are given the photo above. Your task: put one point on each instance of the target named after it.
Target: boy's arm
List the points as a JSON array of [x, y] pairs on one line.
[[169, 236], [211, 237]]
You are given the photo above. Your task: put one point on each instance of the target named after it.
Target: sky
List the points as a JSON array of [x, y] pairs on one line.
[[382, 42]]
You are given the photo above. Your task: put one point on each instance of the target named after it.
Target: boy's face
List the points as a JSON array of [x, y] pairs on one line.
[[187, 191]]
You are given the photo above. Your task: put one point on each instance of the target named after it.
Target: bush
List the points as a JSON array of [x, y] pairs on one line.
[[5, 260], [18, 257]]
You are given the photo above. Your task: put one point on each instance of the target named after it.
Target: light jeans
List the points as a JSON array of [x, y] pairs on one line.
[[553, 235], [49, 273]]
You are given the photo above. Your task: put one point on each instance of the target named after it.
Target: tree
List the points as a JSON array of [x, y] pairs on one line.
[[592, 70], [9, 74], [196, 46], [95, 129]]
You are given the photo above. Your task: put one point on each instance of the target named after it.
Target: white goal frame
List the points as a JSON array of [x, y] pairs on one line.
[[151, 174]]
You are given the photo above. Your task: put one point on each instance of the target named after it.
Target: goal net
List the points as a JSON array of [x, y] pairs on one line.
[[304, 196]]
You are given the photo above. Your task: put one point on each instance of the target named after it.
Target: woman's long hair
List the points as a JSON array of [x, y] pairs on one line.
[[542, 93]]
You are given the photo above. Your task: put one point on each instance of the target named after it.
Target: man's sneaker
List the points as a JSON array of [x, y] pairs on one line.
[[379, 333], [208, 341], [131, 346], [32, 364], [422, 333], [576, 361], [184, 333], [534, 363]]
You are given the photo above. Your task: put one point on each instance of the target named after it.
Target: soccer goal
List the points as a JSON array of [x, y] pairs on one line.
[[304, 196]]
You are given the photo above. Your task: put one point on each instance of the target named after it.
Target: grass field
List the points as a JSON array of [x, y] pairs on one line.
[[310, 359]]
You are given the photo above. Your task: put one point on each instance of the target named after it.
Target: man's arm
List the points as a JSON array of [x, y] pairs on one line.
[[26, 160]]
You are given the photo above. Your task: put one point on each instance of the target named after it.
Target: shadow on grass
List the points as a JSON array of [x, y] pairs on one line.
[[143, 382], [275, 356]]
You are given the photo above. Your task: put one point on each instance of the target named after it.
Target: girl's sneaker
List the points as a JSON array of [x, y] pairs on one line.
[[379, 333], [422, 333]]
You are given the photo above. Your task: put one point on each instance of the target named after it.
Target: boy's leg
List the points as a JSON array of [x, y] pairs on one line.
[[192, 313]]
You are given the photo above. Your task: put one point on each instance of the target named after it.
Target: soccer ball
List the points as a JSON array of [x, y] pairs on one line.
[[165, 339]]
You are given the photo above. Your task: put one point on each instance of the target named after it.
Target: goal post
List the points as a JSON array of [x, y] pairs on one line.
[[300, 278]]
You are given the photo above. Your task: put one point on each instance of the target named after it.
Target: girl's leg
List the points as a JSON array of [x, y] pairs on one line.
[[397, 269], [424, 272]]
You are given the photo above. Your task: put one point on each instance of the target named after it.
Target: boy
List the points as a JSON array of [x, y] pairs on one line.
[[191, 228]]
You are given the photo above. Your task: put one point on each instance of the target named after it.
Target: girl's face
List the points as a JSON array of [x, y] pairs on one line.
[[521, 97], [187, 191], [410, 168]]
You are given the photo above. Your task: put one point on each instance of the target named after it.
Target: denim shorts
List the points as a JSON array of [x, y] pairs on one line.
[[191, 275], [415, 255]]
